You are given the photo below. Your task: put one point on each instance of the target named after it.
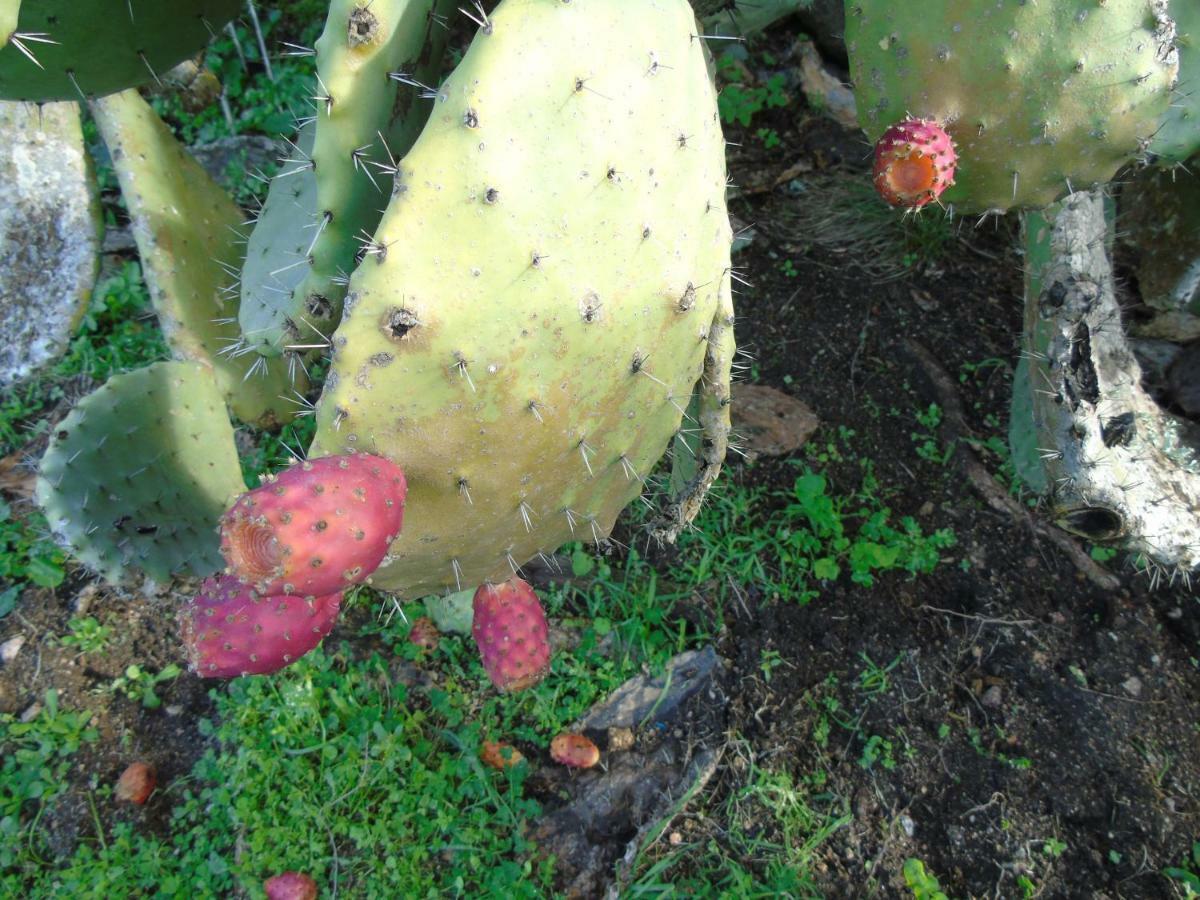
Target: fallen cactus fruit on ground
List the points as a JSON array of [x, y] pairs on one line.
[[290, 886], [500, 756], [575, 751], [424, 634], [136, 783], [317, 527], [914, 163], [512, 634], [230, 630]]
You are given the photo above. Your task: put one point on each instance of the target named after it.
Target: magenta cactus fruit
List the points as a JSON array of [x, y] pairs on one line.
[[317, 527], [290, 886], [511, 632], [229, 629], [914, 163]]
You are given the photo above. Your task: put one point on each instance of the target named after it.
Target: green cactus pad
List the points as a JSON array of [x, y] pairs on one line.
[[1040, 98], [188, 232], [1179, 135], [277, 253], [362, 45], [548, 284], [49, 233], [86, 48], [137, 476]]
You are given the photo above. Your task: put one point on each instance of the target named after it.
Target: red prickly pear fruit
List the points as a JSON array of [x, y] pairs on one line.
[[317, 527], [424, 634], [511, 632], [914, 162], [229, 630], [499, 756], [574, 750], [290, 886], [136, 783]]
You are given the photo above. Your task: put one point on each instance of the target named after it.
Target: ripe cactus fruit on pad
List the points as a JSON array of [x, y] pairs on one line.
[[512, 634], [87, 48], [140, 471], [228, 629], [914, 163], [1035, 95], [49, 233], [187, 231], [317, 527], [532, 370]]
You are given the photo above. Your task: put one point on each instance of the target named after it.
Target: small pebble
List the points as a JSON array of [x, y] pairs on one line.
[[1133, 686], [10, 648]]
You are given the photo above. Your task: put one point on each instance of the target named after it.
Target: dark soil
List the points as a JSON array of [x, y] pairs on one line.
[[1026, 704]]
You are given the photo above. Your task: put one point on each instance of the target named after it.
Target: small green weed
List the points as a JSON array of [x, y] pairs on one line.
[[738, 103], [1187, 874], [87, 635], [923, 884], [139, 684]]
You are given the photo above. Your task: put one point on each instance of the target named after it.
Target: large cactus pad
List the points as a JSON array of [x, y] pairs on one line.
[[1039, 97], [137, 476], [87, 48], [548, 284]]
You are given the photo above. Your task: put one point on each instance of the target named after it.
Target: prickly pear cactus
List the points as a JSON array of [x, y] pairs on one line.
[[49, 233], [550, 281], [139, 472], [365, 117], [1040, 98], [1120, 470], [1179, 136], [188, 232], [77, 49]]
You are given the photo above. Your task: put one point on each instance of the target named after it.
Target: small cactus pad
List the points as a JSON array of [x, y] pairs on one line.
[[270, 315], [138, 474], [366, 48], [77, 49], [500, 756], [317, 527], [188, 231], [575, 751], [914, 163], [549, 282], [1040, 98], [1179, 136], [512, 634], [49, 233], [230, 630]]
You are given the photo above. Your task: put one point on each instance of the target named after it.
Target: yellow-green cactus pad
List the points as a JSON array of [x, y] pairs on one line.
[[49, 233], [77, 49], [1040, 98], [550, 281], [1179, 135], [137, 476], [188, 233]]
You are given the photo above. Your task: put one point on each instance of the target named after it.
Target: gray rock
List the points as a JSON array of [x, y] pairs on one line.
[[655, 698]]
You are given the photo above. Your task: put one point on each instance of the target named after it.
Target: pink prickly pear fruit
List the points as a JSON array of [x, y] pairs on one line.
[[511, 632], [574, 750], [290, 886], [914, 162], [424, 634], [229, 630], [317, 527], [136, 783]]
